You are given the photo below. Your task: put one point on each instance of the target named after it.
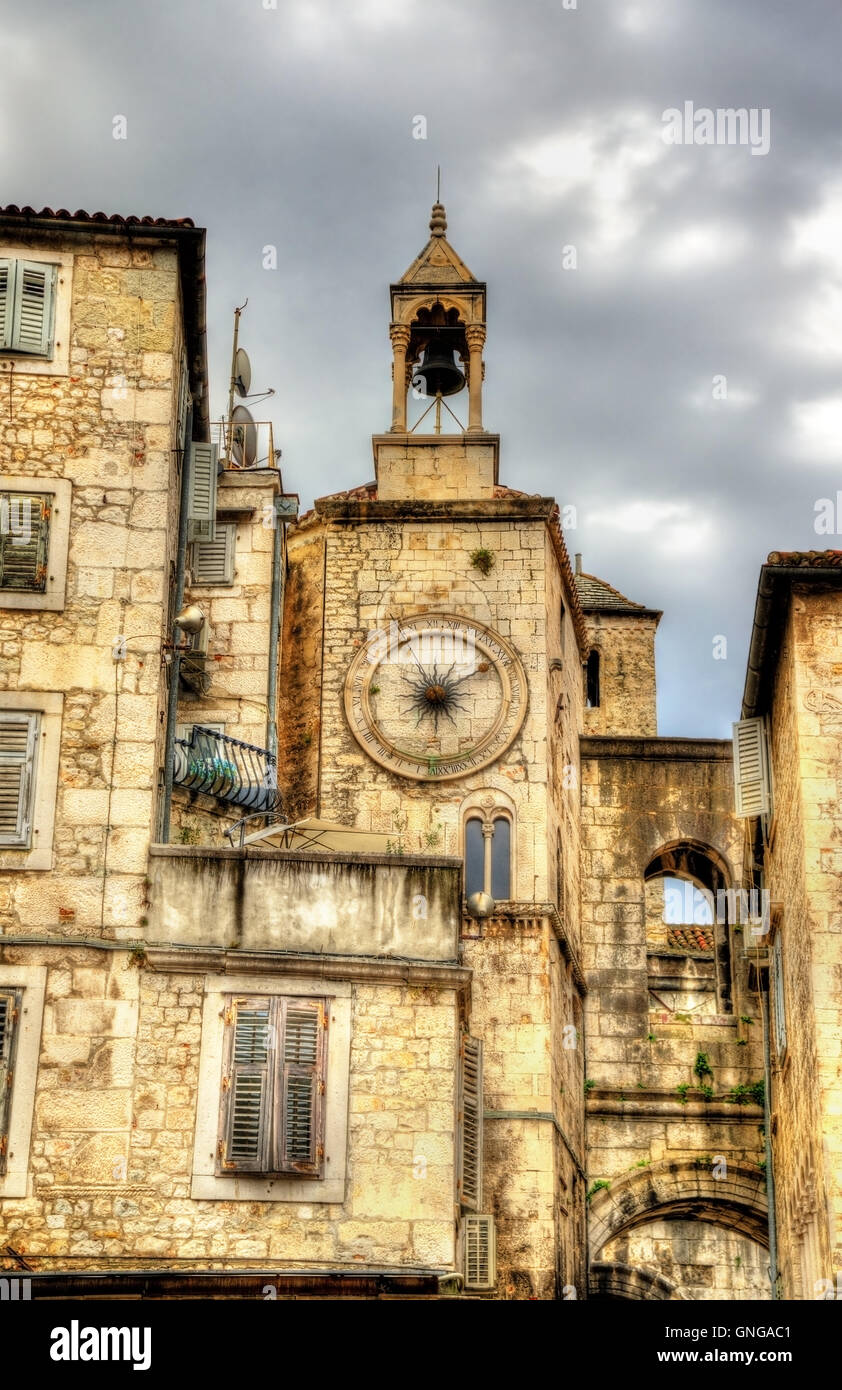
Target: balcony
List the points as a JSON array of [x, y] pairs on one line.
[[245, 444], [237, 772]]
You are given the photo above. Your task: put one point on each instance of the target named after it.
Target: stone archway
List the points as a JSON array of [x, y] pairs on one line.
[[679, 1207], [618, 1281], [736, 1201]]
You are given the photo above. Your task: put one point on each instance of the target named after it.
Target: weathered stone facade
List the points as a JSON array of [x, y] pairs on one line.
[[566, 1056]]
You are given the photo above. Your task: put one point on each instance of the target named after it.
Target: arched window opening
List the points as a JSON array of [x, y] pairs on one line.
[[501, 858], [474, 857], [488, 855], [592, 680], [686, 907]]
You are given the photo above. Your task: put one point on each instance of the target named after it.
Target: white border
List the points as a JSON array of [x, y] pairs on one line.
[[33, 980], [49, 705], [53, 598]]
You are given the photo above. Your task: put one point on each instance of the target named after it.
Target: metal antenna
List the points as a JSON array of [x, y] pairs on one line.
[[438, 183]]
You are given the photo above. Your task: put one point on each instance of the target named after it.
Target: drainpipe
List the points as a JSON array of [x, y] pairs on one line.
[[175, 666], [767, 1129], [274, 634]]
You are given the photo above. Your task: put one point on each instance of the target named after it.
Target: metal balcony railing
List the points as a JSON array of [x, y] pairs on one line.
[[228, 768], [245, 444]]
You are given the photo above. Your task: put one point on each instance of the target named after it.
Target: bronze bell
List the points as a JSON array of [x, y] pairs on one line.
[[437, 372]]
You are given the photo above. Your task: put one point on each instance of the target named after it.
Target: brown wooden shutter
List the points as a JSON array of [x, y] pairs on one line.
[[10, 1004], [302, 1087], [18, 749], [469, 1180], [24, 535], [247, 1084]]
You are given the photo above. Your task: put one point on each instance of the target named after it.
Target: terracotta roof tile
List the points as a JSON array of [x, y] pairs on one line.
[[62, 215], [690, 938], [807, 559]]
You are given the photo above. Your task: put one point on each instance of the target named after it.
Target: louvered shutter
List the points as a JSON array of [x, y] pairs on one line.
[[301, 1087], [183, 399], [213, 561], [480, 1252], [470, 1123], [24, 539], [7, 296], [251, 1053], [10, 1002], [32, 317], [752, 781], [18, 745], [201, 507]]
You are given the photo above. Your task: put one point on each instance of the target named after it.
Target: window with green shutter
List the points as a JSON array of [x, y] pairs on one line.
[[10, 1004], [24, 541], [27, 306], [18, 751], [273, 1086], [212, 562]]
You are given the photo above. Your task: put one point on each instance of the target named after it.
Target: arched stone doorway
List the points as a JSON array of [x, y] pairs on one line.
[[675, 1231]]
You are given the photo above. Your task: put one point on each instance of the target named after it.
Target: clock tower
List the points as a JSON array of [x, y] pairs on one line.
[[433, 692]]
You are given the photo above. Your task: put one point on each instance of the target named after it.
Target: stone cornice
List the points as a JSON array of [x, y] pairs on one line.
[[696, 750], [201, 960], [531, 914], [359, 509]]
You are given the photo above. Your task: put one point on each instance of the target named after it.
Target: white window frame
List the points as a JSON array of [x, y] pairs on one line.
[[26, 364], [32, 979], [206, 1184], [48, 705], [54, 596]]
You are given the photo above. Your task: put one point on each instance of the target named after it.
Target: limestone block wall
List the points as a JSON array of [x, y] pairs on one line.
[[105, 425], [523, 999], [626, 645], [803, 876], [376, 571], [701, 1261], [637, 799], [238, 615], [112, 1148]]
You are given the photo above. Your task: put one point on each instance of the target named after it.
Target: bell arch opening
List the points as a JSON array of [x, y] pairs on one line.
[[688, 906]]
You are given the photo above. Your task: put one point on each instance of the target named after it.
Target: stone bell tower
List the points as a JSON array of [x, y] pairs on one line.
[[438, 315]]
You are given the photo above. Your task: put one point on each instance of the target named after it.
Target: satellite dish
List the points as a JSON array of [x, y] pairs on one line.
[[243, 437], [242, 372]]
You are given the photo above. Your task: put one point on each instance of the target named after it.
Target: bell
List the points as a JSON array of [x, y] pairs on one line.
[[438, 372]]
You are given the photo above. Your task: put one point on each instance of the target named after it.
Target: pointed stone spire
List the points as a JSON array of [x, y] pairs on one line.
[[438, 221]]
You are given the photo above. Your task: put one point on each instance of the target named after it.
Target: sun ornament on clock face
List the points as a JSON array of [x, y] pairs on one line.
[[435, 697]]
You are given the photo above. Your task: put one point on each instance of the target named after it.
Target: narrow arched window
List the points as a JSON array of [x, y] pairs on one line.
[[488, 855], [592, 680], [501, 858], [474, 857]]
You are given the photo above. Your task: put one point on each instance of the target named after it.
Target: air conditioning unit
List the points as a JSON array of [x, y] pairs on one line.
[[480, 1247]]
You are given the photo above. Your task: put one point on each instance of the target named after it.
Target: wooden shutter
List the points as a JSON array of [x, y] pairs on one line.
[[273, 1086], [302, 1087], [32, 317], [201, 506], [469, 1180], [7, 296], [247, 1085], [480, 1252], [780, 1003], [10, 1003], [18, 746], [752, 781], [24, 541], [213, 561], [183, 401]]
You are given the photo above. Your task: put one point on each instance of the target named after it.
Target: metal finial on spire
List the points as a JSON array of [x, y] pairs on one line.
[[438, 183]]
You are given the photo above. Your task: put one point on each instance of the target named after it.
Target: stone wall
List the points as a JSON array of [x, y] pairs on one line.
[[626, 645], [803, 877], [107, 426], [112, 1147]]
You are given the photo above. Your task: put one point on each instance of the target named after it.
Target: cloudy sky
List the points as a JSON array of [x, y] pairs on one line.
[[294, 127]]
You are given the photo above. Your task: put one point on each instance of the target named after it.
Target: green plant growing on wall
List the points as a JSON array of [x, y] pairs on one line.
[[702, 1066], [432, 837], [744, 1018], [707, 1092], [650, 1037], [599, 1186], [137, 955], [746, 1093], [682, 1088], [589, 1085], [482, 560], [400, 823]]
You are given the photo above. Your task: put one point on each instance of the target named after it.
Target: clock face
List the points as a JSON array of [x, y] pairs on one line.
[[435, 697]]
